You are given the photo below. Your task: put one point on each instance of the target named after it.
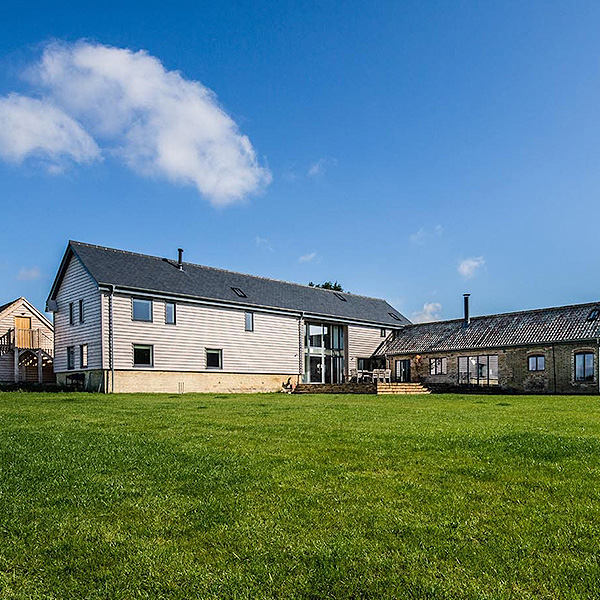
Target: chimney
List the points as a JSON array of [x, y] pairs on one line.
[[180, 259], [467, 318]]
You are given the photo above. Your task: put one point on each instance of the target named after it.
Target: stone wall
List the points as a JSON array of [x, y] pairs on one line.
[[513, 374]]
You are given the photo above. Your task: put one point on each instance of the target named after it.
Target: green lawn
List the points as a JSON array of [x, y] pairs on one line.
[[277, 496]]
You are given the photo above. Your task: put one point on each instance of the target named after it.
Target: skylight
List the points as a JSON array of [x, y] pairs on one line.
[[394, 316], [239, 292], [593, 314], [338, 295]]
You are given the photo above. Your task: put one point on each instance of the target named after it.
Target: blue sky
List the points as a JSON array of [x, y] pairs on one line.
[[392, 142]]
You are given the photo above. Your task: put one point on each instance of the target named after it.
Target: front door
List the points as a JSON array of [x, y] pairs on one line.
[[403, 371], [23, 332]]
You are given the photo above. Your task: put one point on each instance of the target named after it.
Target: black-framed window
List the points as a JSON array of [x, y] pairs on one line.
[[536, 362], [584, 366], [438, 366], [81, 311], [143, 355], [478, 370], [383, 332], [141, 309], [214, 358], [249, 321], [71, 313], [239, 292], [70, 357], [170, 313], [83, 355]]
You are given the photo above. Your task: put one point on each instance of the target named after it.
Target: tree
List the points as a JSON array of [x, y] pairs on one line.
[[328, 285]]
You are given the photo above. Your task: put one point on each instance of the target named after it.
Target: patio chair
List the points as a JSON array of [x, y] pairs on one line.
[[387, 376]]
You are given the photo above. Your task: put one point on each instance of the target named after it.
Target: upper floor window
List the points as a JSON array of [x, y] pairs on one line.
[[70, 357], [214, 359], [249, 324], [141, 309], [83, 355], [71, 313], [81, 312], [584, 366], [438, 366], [143, 356], [170, 313], [536, 363], [383, 333]]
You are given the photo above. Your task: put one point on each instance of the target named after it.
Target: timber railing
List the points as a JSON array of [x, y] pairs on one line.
[[26, 339]]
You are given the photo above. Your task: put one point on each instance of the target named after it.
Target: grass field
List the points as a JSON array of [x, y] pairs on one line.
[[276, 496]]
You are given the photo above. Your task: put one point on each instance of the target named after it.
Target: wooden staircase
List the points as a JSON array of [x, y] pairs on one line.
[[401, 388]]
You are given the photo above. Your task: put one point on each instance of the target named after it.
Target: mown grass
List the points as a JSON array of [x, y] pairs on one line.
[[276, 496]]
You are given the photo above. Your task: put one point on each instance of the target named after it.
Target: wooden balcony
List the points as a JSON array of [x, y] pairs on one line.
[[33, 352], [26, 339]]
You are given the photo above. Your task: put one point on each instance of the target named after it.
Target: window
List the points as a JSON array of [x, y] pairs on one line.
[[338, 295], [83, 355], [382, 333], [536, 363], [71, 357], [239, 292], [81, 313], [478, 370], [438, 366], [394, 316], [214, 359], [143, 356], [170, 315], [141, 309], [71, 314], [593, 314], [584, 366], [249, 321]]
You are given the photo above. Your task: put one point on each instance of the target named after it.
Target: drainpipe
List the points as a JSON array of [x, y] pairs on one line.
[[554, 366], [301, 348], [111, 339]]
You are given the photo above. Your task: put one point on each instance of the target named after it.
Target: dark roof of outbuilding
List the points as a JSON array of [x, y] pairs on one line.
[[4, 306], [150, 273], [530, 327]]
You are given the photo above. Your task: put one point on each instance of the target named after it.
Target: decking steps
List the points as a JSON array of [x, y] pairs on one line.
[[401, 388]]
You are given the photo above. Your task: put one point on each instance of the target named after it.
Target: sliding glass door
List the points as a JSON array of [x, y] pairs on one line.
[[324, 353]]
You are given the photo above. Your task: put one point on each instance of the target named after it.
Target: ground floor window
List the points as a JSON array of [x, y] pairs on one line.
[[584, 366], [83, 355], [438, 366], [324, 351], [536, 363], [70, 357], [478, 370], [214, 358], [143, 356]]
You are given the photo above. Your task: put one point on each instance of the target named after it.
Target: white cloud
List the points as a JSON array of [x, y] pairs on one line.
[[469, 266], [29, 274], [263, 243], [421, 236], [319, 168], [429, 312], [307, 257], [156, 121], [31, 127]]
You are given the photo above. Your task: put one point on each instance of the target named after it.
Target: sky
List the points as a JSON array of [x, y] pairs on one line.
[[413, 151]]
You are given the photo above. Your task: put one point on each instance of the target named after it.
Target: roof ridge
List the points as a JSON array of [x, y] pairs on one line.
[[160, 258], [513, 312]]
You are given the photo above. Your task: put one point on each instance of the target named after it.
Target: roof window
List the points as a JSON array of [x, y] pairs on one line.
[[394, 316], [239, 292], [593, 314], [338, 295]]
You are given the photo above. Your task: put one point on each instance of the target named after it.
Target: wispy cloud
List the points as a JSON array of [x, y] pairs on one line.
[[263, 243], [307, 257], [29, 274], [420, 237], [468, 267], [319, 168], [127, 104], [430, 312]]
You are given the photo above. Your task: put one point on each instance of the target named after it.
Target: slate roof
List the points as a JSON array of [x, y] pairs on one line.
[[531, 327], [161, 275], [5, 306]]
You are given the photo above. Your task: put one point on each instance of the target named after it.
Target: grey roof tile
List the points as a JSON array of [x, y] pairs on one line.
[[131, 270]]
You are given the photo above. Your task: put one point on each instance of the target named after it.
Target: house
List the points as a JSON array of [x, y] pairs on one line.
[[128, 322], [26, 344], [550, 350]]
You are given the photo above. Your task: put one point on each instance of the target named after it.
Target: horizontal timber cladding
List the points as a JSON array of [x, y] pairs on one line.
[[362, 342], [558, 375], [77, 285], [207, 382], [272, 346]]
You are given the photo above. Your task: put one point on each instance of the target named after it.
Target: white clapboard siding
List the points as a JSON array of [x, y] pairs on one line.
[[7, 321], [273, 346], [362, 342], [77, 284]]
